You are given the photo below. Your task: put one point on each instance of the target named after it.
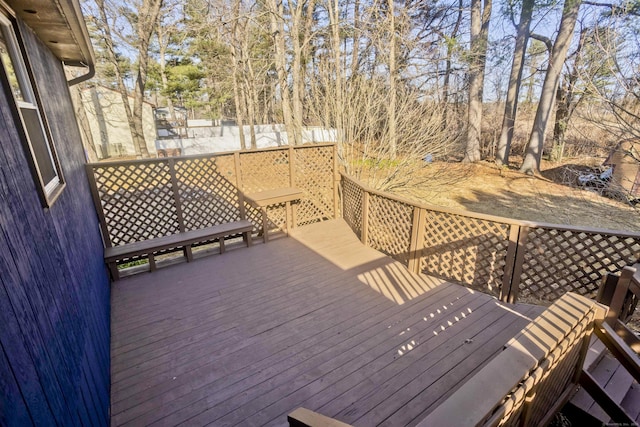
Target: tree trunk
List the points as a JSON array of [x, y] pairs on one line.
[[122, 89], [393, 137], [356, 39], [565, 102], [448, 69], [334, 21], [560, 124], [238, 98], [276, 15], [296, 68], [515, 79], [533, 156], [480, 17], [147, 21], [163, 41]]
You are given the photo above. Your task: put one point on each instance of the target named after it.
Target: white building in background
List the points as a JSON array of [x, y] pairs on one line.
[[201, 137], [109, 125]]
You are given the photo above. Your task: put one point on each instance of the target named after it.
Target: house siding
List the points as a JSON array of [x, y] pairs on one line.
[[54, 288]]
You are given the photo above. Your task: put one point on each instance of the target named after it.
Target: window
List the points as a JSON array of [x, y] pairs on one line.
[[40, 151]]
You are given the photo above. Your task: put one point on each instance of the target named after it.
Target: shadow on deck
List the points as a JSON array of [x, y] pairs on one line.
[[315, 320]]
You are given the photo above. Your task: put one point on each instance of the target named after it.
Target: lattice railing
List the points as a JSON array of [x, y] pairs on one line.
[[352, 196], [314, 173], [507, 258], [558, 260], [465, 249], [137, 201], [143, 199], [389, 224]]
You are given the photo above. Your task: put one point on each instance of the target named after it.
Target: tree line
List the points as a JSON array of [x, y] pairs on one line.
[[402, 82]]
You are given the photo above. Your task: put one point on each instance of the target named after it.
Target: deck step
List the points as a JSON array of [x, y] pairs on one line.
[[617, 382], [631, 402]]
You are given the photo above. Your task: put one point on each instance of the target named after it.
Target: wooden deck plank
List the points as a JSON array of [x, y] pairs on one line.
[[402, 387], [246, 315], [313, 320], [285, 339], [392, 305], [305, 381], [214, 393], [349, 387]]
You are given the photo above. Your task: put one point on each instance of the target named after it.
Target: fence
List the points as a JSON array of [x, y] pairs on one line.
[[144, 199], [513, 260]]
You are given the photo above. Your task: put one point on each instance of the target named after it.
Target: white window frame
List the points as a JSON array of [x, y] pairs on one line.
[[49, 189]]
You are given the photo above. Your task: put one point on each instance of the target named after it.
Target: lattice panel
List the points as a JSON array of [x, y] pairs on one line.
[[467, 250], [314, 174], [264, 170], [137, 201], [208, 194], [352, 196], [559, 261], [389, 227]]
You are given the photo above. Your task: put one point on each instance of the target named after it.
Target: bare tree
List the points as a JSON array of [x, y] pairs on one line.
[[480, 18], [515, 80], [143, 22], [567, 99], [276, 15], [533, 155]]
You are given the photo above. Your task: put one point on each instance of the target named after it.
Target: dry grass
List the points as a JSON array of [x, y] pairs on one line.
[[504, 192]]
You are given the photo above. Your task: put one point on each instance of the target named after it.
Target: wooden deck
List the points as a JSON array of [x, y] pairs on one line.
[[314, 320]]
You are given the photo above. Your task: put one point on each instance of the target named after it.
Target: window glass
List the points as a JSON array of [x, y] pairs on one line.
[[40, 149]]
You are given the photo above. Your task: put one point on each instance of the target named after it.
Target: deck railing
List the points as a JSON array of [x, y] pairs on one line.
[[144, 199], [511, 259]]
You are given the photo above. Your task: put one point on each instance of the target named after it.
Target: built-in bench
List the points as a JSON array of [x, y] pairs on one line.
[[184, 239], [262, 199]]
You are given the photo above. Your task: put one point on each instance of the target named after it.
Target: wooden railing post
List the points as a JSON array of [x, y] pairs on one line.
[[510, 262], [176, 198], [515, 261], [176, 194], [98, 204], [237, 167], [364, 235], [417, 239]]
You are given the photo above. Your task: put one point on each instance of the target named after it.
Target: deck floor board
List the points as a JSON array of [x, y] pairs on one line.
[[315, 320]]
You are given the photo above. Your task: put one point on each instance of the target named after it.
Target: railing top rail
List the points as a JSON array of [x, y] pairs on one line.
[[488, 217], [201, 156]]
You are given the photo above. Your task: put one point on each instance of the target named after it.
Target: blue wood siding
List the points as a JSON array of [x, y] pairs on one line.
[[54, 288]]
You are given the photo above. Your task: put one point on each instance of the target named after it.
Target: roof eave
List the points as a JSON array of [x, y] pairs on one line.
[[61, 26]]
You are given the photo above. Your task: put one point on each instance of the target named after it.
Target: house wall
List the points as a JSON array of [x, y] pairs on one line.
[[54, 290]]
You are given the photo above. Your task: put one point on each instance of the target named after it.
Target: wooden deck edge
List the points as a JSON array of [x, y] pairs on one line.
[[302, 417], [514, 373]]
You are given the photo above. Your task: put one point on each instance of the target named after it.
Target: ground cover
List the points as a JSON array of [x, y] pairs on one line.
[[550, 198]]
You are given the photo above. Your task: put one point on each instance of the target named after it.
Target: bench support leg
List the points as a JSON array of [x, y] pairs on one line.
[[288, 216], [113, 270], [246, 236], [152, 262], [265, 225], [221, 242], [188, 253]]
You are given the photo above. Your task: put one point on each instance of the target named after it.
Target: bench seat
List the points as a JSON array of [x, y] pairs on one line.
[[147, 247]]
